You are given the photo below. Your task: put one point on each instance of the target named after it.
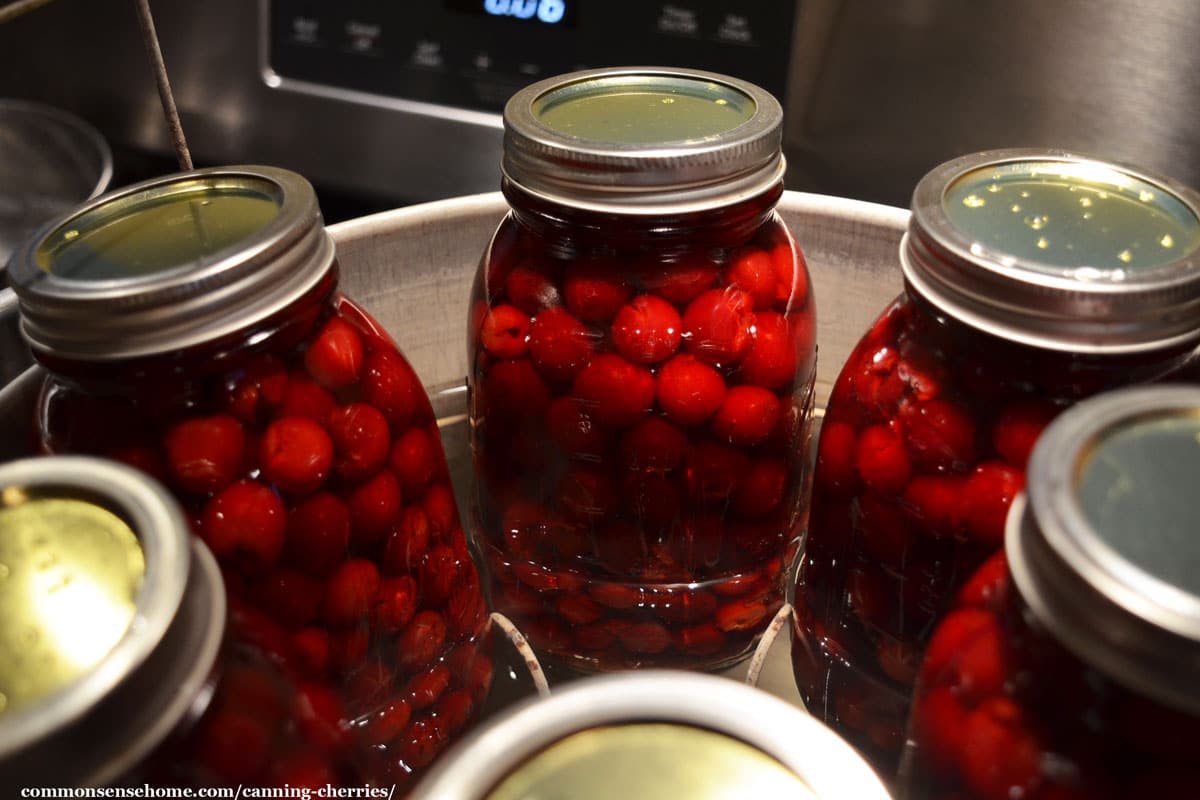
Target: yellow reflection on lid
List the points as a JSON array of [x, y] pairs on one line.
[[70, 572], [650, 761]]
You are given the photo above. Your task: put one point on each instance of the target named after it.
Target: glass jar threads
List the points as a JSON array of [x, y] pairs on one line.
[[1067, 667], [1033, 279], [642, 362], [192, 326]]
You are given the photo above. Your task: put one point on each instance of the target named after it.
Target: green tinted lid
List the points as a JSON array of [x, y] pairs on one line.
[[170, 262], [643, 140], [1107, 551], [649, 761], [1058, 250]]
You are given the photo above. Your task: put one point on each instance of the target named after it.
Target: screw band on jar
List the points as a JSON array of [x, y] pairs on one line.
[[647, 140], [170, 262], [1058, 250], [133, 683], [1110, 581]]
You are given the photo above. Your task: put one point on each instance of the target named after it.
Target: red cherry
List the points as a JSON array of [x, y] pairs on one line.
[[753, 271], [303, 770], [395, 603], [390, 384], [421, 743], [586, 493], [713, 470], [762, 489], [648, 330], [531, 286], [514, 389], [320, 717], [680, 282], [952, 635], [718, 325], [205, 454], [414, 460], [791, 273], [559, 344], [595, 292], [466, 609], [595, 636], [687, 606], [385, 724], [439, 573], [1017, 430], [579, 609], [306, 398], [456, 708], [504, 332], [374, 506], [940, 435], [700, 640], [245, 522], [884, 529], [987, 587], [653, 498], [654, 445], [260, 390], [746, 416], [233, 747], [296, 454], [742, 614], [425, 689], [615, 392], [318, 532], [335, 357], [620, 596], [350, 592], [1000, 759], [421, 641], [988, 493], [408, 542], [937, 724], [881, 459], [689, 391], [441, 509], [573, 429], [772, 361], [311, 646], [369, 685], [936, 504], [148, 458], [361, 440], [348, 648], [645, 638], [836, 450], [290, 597]]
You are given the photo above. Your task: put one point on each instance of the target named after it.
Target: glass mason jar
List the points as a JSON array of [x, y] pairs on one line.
[[642, 362], [1033, 279], [1067, 667], [192, 326]]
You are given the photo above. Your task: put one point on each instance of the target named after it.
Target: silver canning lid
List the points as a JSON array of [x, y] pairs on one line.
[[110, 596], [170, 262], [1058, 250], [643, 140], [598, 732], [1103, 546]]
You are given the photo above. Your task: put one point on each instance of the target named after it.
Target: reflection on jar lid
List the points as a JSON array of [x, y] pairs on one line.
[[648, 761], [643, 140], [70, 572], [1072, 214], [172, 262], [177, 225], [1105, 550], [1059, 251], [1137, 487], [644, 110]]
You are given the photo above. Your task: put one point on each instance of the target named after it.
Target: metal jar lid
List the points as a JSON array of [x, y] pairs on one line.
[[113, 617], [170, 262], [652, 734], [643, 140], [1104, 545], [1058, 250]]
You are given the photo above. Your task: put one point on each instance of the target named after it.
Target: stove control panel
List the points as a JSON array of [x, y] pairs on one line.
[[474, 54]]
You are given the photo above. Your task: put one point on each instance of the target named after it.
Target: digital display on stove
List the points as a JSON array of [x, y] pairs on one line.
[[547, 12]]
